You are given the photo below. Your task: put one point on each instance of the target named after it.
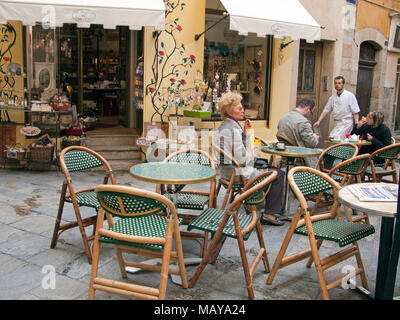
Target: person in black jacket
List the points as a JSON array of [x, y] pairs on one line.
[[374, 130]]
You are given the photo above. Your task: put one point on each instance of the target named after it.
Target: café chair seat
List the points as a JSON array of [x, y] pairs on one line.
[[187, 200], [147, 226], [211, 218], [340, 231], [85, 198]]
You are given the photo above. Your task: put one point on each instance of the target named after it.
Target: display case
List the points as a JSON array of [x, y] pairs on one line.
[[52, 81]]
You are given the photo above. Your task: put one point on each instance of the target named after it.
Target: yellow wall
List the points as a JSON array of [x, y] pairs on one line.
[[375, 16], [192, 21], [16, 56]]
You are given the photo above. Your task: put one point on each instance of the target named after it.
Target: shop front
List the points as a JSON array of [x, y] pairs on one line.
[[65, 65], [152, 62], [223, 45]]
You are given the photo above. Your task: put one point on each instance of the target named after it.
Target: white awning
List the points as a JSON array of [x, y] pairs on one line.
[[280, 18], [110, 13]]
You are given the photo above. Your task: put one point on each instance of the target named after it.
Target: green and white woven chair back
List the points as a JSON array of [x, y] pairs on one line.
[[354, 168], [191, 157], [390, 153], [258, 196], [127, 205], [78, 160], [342, 152], [310, 183]]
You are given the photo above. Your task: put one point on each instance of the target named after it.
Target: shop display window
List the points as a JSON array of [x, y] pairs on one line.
[[238, 63]]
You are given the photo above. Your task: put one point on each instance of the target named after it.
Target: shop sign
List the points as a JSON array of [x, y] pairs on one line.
[[84, 15], [278, 29]]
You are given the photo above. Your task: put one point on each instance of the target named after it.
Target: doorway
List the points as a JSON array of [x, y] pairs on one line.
[[366, 65], [94, 70], [309, 73]]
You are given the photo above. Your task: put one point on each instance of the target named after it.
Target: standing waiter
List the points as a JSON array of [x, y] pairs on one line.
[[344, 107]]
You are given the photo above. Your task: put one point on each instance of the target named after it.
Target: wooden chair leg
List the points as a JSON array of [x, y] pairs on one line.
[[262, 245], [316, 259], [310, 260], [363, 277], [96, 255], [165, 261], [120, 261], [214, 241], [245, 264], [179, 252], [83, 232], [59, 216], [285, 244]]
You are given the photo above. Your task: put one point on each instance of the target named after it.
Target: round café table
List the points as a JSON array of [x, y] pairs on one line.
[[357, 143], [171, 174], [291, 152], [389, 243]]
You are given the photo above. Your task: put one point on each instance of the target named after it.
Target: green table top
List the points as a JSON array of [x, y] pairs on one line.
[[292, 151], [172, 173]]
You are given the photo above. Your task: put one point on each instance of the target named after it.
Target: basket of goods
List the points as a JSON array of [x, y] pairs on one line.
[[42, 150], [16, 151], [76, 129], [71, 141]]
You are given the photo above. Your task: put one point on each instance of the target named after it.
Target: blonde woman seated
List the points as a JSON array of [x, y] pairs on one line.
[[234, 140]]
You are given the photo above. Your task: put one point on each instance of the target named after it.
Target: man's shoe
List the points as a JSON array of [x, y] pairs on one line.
[[272, 222], [286, 218]]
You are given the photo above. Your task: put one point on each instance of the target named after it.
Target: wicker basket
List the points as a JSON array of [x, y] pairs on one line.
[[67, 143], [14, 154], [42, 153]]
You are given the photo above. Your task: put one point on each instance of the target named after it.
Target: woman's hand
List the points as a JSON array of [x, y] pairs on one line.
[[369, 137], [361, 123], [247, 124]]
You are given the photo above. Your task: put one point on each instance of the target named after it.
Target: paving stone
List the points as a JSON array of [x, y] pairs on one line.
[[65, 288], [38, 224], [15, 284], [21, 244]]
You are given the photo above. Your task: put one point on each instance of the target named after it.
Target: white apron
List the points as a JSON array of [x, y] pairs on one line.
[[341, 128]]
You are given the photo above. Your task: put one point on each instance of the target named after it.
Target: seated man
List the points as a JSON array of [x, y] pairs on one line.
[[296, 126], [374, 130], [234, 140]]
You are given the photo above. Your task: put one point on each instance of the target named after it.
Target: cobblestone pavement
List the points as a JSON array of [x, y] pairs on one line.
[[28, 208]]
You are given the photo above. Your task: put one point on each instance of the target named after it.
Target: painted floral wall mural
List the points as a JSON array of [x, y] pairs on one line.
[[171, 62]]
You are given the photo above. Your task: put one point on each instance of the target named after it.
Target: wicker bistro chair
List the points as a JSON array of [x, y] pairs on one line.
[[139, 231], [75, 159], [341, 152], [238, 225], [192, 199], [272, 160], [327, 226], [288, 142], [376, 172], [353, 170], [347, 172], [232, 187]]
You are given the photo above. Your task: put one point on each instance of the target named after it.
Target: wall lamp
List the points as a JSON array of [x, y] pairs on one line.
[[284, 45], [197, 36]]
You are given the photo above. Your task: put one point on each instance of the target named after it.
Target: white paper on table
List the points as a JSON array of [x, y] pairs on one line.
[[375, 193]]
